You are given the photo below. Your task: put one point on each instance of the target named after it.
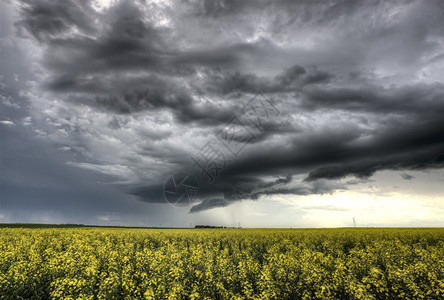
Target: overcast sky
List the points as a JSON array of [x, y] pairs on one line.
[[337, 110]]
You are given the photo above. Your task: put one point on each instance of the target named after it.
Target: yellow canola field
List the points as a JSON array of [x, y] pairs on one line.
[[120, 263]]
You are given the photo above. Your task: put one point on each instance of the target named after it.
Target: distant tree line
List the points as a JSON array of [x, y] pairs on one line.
[[210, 226]]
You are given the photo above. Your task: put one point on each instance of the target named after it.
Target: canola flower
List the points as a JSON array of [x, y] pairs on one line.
[[119, 263]]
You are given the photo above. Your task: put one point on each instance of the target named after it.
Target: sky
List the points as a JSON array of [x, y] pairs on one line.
[[250, 113]]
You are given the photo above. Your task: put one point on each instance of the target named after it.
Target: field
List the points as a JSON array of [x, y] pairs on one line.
[[121, 263]]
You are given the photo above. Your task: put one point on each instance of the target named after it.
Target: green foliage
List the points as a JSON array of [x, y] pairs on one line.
[[110, 263]]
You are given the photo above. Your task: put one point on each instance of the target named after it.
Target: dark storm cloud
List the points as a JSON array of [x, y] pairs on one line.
[[151, 194], [426, 99], [96, 64], [290, 80], [405, 141], [318, 187], [413, 144], [46, 20], [357, 86], [240, 192], [209, 204]]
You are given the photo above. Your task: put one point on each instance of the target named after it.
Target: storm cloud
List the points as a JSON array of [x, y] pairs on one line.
[[136, 89]]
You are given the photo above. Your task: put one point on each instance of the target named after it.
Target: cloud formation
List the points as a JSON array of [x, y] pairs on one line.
[[138, 88]]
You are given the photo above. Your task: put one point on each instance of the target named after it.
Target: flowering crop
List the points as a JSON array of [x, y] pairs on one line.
[[109, 263]]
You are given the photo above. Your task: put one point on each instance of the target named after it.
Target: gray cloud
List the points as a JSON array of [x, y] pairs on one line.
[[136, 88], [289, 80]]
